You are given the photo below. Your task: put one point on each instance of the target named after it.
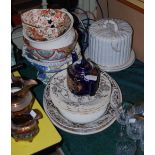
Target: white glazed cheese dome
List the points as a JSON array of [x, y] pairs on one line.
[[110, 42]]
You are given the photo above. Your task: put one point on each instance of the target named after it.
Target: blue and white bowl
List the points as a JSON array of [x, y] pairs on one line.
[[50, 66]]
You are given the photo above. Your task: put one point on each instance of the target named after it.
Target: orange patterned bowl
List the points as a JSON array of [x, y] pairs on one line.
[[46, 24], [52, 54]]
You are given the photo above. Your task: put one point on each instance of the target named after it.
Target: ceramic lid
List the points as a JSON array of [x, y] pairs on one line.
[[109, 28]]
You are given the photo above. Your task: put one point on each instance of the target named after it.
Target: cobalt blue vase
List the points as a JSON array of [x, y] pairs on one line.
[[83, 77]]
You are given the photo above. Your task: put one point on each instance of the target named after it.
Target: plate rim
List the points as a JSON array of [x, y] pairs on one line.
[[94, 130], [117, 68]]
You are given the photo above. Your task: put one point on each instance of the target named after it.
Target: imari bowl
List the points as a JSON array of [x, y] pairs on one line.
[[50, 66], [62, 41], [46, 24], [52, 54]]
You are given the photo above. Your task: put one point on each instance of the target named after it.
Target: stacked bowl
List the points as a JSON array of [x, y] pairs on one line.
[[49, 39]]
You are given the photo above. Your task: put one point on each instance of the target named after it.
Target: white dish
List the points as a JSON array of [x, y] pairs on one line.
[[59, 90], [116, 68], [79, 109], [93, 127]]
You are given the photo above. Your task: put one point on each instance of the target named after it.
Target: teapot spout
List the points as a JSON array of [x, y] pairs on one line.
[[25, 85], [30, 83]]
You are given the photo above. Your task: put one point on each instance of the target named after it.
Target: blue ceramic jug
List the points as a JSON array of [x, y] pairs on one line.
[[83, 77]]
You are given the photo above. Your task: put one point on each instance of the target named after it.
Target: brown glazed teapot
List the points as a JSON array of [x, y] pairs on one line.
[[21, 96]]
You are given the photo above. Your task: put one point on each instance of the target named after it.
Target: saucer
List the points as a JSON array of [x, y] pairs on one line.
[[93, 127], [117, 68]]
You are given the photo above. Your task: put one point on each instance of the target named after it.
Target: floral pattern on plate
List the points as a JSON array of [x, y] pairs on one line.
[[50, 66], [61, 94], [96, 126]]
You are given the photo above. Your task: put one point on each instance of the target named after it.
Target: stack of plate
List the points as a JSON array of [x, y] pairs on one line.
[[79, 109], [49, 39], [81, 114]]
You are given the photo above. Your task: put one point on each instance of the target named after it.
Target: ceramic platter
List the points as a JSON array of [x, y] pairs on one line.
[[96, 126], [117, 68]]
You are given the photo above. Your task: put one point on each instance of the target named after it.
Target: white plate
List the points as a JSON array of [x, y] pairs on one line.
[[96, 126], [61, 95], [117, 68]]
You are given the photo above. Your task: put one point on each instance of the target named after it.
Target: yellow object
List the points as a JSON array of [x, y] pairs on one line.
[[47, 136], [138, 3]]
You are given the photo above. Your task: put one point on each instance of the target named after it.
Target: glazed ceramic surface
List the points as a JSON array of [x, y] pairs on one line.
[[110, 42], [52, 54], [50, 66], [64, 98], [25, 126], [116, 68], [21, 96], [95, 126], [83, 77], [56, 43], [46, 24], [79, 109]]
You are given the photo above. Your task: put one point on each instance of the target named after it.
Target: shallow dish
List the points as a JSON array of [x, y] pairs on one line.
[[96, 126], [46, 24]]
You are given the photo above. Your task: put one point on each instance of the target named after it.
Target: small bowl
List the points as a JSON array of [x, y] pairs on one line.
[[56, 43], [50, 66], [52, 54], [46, 24]]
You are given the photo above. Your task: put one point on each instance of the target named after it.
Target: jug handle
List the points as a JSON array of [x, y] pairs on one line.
[[36, 114]]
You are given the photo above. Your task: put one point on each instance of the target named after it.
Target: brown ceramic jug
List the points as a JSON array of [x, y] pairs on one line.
[[25, 126], [21, 96]]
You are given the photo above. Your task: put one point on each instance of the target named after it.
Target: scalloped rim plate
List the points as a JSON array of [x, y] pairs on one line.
[[96, 126]]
